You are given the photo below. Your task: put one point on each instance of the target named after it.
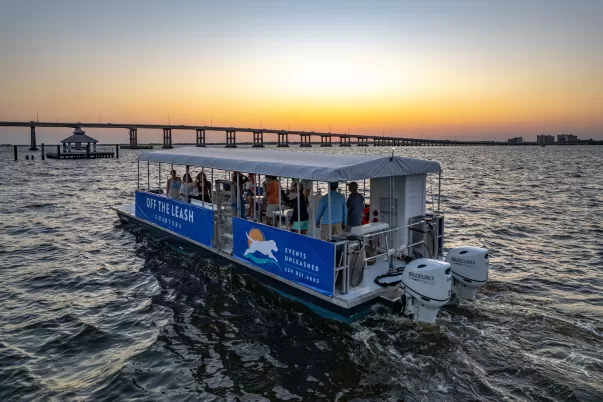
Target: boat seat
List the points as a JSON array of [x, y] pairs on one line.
[[369, 228]]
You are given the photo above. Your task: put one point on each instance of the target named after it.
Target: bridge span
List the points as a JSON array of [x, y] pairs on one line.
[[305, 137]]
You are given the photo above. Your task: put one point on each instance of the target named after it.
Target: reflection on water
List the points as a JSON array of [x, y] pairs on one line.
[[92, 309]]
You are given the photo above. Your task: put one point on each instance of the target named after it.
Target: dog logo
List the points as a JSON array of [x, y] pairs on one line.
[[257, 244]]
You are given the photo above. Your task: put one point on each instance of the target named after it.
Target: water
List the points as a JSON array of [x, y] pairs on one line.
[[94, 310]]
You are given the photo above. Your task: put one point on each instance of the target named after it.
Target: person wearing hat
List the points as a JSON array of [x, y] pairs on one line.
[[338, 213]]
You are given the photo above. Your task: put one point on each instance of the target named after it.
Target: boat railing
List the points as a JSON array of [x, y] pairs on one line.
[[390, 236]]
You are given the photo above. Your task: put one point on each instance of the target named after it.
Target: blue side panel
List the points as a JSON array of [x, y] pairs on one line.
[[188, 220], [300, 259]]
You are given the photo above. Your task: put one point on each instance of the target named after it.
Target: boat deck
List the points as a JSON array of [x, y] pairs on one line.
[[368, 290]]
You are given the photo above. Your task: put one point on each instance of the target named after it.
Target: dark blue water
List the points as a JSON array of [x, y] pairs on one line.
[[91, 309]]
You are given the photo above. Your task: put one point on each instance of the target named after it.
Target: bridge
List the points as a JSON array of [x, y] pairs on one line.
[[305, 137]]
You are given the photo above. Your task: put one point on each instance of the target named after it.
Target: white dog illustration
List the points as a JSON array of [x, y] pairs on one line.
[[263, 247]]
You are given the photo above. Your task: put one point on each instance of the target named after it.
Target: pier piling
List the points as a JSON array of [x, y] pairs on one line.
[[43, 156], [117, 151], [15, 149], [33, 139]]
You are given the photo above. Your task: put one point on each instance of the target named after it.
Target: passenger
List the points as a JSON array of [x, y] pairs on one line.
[[272, 195], [298, 225], [307, 186], [339, 212], [250, 193], [236, 193], [203, 187], [173, 186], [188, 187], [355, 206]]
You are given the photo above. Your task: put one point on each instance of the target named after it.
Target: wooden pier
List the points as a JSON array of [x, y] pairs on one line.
[[80, 155]]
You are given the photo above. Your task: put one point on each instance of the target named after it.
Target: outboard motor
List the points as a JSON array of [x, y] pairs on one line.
[[470, 267], [427, 286]]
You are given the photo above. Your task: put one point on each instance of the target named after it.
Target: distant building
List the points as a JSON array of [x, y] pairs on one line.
[[545, 139], [567, 139], [515, 140]]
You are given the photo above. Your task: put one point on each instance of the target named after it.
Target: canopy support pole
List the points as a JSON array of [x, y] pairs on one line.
[[148, 175], [278, 184], [299, 194], [159, 180], [238, 194], [330, 236], [138, 174], [439, 189]]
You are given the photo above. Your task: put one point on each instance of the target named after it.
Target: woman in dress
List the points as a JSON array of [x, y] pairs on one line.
[[173, 186], [188, 187]]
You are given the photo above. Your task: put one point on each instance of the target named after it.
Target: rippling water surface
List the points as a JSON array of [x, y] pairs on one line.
[[91, 309]]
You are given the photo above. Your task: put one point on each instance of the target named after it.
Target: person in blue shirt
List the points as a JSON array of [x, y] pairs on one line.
[[339, 213]]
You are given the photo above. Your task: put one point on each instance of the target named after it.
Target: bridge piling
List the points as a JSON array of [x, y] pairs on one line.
[[43, 155], [231, 139], [325, 141], [167, 138], [200, 137], [258, 139], [133, 138], [305, 140], [283, 140]]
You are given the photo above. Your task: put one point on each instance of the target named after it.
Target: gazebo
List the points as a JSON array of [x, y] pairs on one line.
[[78, 138]]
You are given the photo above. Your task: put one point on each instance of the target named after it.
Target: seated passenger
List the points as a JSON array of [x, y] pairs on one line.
[[338, 215], [173, 186]]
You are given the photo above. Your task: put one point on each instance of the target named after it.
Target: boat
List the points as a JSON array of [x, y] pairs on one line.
[[396, 258]]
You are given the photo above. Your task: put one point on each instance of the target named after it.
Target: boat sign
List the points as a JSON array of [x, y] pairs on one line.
[[187, 220], [301, 259]]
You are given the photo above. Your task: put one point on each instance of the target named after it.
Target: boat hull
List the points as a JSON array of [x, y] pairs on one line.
[[317, 305]]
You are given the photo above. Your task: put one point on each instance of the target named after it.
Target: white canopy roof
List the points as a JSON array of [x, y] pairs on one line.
[[302, 165]]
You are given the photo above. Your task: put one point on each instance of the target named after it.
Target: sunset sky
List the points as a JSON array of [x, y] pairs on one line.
[[432, 68]]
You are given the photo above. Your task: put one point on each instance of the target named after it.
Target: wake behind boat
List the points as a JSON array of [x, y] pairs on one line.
[[298, 241]]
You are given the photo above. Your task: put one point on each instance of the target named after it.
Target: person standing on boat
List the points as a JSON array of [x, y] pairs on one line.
[[203, 187], [299, 218], [173, 186], [236, 193], [272, 191], [187, 188], [249, 188], [338, 213], [355, 206]]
